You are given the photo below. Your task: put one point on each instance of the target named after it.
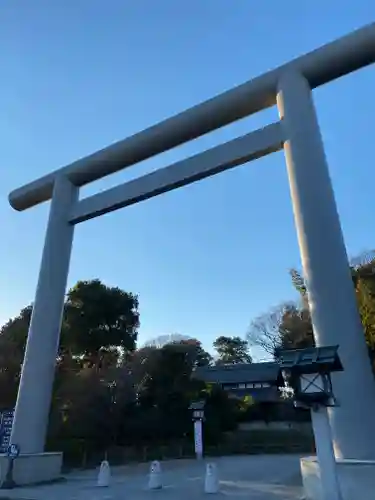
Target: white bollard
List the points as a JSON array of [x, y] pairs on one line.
[[154, 480], [104, 475], [211, 482]]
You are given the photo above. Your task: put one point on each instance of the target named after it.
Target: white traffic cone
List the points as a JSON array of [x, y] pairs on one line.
[[211, 481], [154, 479], [104, 475]]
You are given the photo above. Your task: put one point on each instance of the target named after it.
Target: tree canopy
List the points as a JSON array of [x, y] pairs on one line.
[[232, 350], [99, 322], [106, 391]]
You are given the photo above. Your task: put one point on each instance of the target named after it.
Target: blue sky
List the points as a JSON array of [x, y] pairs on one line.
[[77, 75]]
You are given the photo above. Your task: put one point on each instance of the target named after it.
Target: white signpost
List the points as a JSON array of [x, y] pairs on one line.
[[198, 417], [198, 438]]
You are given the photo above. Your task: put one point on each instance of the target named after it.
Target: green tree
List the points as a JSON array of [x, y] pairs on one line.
[[232, 350], [284, 327], [192, 346], [106, 392], [162, 377], [100, 322], [222, 414], [363, 276], [13, 336], [195, 353], [296, 331], [363, 273], [366, 303]]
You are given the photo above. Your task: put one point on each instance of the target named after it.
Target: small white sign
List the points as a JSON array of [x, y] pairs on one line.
[[13, 451], [198, 438]]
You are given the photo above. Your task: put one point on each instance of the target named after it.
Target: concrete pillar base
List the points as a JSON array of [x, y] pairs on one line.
[[35, 468], [356, 478]]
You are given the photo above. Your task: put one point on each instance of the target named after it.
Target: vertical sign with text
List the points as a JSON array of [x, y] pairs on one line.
[[198, 438], [6, 423]]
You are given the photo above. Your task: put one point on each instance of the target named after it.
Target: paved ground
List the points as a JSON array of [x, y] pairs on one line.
[[258, 477]]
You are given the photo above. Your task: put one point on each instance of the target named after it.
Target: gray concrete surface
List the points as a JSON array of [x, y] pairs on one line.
[[29, 469], [258, 477]]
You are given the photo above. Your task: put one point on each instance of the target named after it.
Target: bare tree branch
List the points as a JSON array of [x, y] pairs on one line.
[[264, 331]]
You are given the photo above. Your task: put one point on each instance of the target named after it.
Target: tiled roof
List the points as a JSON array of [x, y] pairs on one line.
[[242, 372]]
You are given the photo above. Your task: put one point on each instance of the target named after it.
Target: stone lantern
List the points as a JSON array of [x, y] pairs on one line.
[[307, 377]]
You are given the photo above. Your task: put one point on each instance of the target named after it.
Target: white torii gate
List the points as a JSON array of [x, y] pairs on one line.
[[332, 300]]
